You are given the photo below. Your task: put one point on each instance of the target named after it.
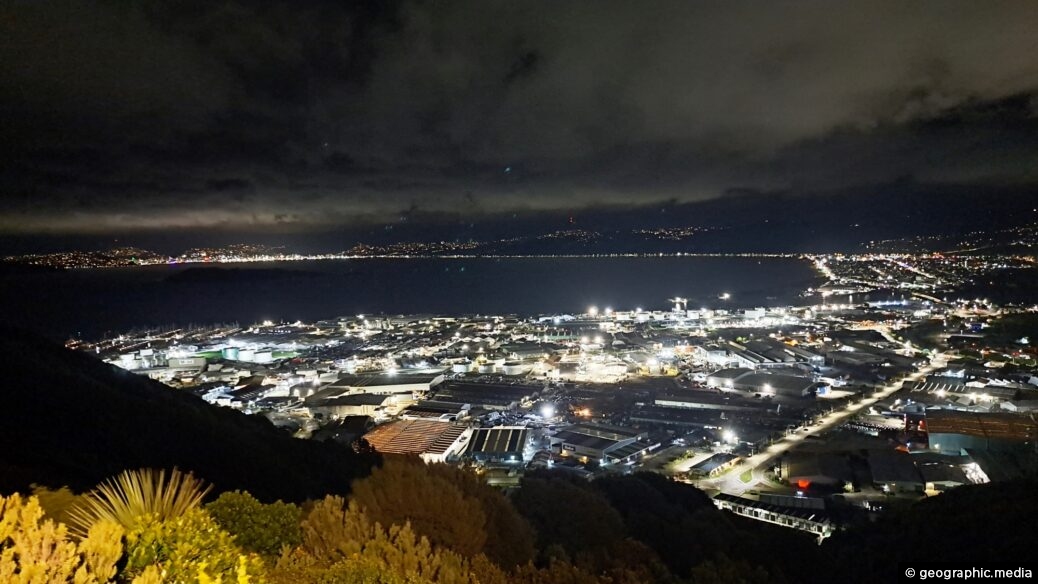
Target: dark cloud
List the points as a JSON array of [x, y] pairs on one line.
[[163, 114]]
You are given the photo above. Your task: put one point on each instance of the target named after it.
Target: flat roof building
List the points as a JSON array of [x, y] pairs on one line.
[[432, 441], [743, 379], [714, 465], [501, 444], [953, 431], [600, 442], [385, 382], [809, 520]]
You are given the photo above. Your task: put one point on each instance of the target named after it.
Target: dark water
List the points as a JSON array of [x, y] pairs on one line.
[[92, 302]]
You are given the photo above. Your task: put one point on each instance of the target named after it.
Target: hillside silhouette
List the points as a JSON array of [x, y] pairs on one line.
[[68, 419]]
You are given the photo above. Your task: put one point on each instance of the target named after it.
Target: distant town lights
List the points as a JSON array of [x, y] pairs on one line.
[[593, 311]]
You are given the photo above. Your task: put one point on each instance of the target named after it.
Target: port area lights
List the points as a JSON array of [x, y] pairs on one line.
[[729, 437], [592, 311], [547, 411]]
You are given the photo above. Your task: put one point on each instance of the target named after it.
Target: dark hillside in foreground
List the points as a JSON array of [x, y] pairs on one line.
[[69, 419], [988, 525]]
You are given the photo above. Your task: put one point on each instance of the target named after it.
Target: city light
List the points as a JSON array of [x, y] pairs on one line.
[[593, 311], [547, 411]]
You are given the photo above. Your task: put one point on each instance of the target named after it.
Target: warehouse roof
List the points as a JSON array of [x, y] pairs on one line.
[[718, 460], [380, 379], [733, 373], [584, 440], [893, 467], [501, 440], [780, 383], [355, 399], [411, 436], [1003, 426], [807, 514]]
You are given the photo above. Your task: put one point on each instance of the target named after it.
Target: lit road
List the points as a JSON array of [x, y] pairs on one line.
[[759, 463]]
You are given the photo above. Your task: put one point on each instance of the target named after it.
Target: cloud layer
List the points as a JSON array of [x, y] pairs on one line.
[[309, 113]]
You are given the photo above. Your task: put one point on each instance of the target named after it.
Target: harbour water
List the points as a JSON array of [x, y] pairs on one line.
[[90, 303]]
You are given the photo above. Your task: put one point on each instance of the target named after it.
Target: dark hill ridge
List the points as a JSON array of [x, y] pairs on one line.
[[988, 525], [69, 419]]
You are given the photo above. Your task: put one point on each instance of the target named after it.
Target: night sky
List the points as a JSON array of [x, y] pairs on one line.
[[310, 115]]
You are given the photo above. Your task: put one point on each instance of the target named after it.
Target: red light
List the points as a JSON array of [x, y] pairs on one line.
[[803, 484]]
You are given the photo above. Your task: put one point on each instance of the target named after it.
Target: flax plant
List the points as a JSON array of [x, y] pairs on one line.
[[136, 496]]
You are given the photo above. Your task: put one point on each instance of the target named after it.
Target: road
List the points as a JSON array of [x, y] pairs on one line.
[[759, 463]]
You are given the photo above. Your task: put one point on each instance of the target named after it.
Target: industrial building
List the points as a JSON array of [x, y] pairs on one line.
[[955, 431], [714, 465], [600, 442], [330, 403], [811, 520], [488, 396], [431, 440], [803, 471], [387, 382], [436, 410], [757, 354], [702, 400], [743, 379], [501, 444], [895, 472]]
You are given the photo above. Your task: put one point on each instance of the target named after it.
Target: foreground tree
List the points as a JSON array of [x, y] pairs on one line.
[[338, 537], [510, 540], [404, 491], [265, 529], [34, 550], [189, 548]]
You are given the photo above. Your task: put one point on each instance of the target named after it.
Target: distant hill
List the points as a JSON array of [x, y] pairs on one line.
[[69, 419]]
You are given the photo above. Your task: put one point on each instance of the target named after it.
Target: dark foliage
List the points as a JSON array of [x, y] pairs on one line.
[[69, 419], [982, 524]]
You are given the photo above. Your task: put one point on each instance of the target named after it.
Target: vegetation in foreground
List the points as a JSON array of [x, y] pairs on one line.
[[417, 524]]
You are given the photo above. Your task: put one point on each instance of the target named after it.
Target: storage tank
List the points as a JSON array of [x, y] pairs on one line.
[[514, 368]]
